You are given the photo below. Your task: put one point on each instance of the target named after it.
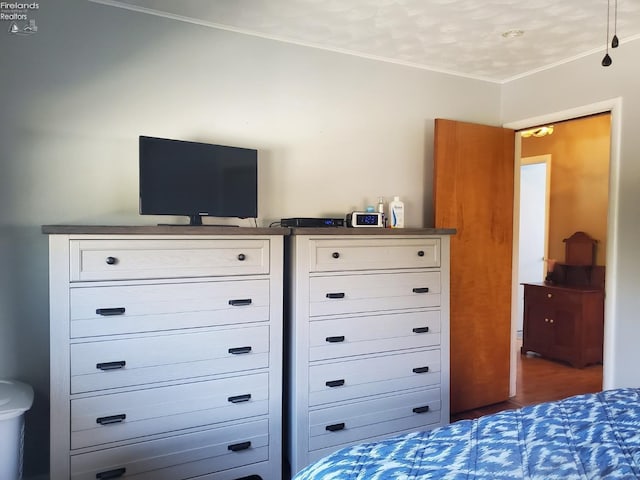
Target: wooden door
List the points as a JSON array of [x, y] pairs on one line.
[[473, 192]]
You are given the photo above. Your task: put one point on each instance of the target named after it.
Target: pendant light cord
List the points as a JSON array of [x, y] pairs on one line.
[[606, 61], [614, 41], [608, 22]]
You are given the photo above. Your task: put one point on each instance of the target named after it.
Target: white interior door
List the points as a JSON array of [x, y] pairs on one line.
[[534, 224]]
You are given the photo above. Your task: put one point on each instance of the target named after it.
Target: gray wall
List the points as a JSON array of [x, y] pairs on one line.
[[333, 131], [571, 86]]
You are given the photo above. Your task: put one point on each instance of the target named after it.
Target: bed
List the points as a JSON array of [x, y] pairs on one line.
[[591, 436]]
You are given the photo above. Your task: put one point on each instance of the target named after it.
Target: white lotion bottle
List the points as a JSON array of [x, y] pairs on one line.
[[396, 213]]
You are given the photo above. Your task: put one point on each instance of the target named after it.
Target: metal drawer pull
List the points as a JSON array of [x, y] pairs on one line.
[[335, 383], [424, 409], [335, 427], [421, 290], [236, 447], [112, 419], [111, 365], [240, 302], [240, 398], [108, 312], [111, 260], [239, 350], [421, 253], [241, 257], [421, 370], [335, 255], [336, 339], [335, 295], [116, 473], [421, 330]]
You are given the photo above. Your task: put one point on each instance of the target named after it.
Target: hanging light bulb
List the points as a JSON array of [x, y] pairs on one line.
[[614, 41], [606, 61]]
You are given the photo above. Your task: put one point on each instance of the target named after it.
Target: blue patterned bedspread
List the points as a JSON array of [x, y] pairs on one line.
[[593, 436]]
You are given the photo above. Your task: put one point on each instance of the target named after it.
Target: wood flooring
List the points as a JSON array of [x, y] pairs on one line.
[[540, 380]]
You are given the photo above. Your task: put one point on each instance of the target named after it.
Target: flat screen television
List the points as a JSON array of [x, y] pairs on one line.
[[196, 179]]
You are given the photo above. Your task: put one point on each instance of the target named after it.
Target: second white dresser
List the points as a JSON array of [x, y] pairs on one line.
[[166, 353], [367, 337]]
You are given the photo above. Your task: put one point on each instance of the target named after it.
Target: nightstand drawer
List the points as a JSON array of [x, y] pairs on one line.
[[135, 414], [343, 424], [139, 361], [180, 456], [348, 336], [552, 296], [333, 255], [333, 382], [110, 310], [343, 294], [145, 258]]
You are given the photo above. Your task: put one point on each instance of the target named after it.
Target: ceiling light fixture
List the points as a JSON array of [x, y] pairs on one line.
[[537, 132], [513, 33], [606, 61]]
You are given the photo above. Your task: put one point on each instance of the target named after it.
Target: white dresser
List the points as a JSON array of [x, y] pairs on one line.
[[367, 337], [166, 352]]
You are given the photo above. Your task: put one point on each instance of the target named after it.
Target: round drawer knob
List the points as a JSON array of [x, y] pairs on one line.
[[551, 320], [420, 253], [335, 255], [546, 319], [241, 257], [111, 260], [549, 295]]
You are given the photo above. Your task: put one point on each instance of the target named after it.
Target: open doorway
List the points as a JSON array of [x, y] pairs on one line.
[[578, 202], [463, 153], [535, 176]]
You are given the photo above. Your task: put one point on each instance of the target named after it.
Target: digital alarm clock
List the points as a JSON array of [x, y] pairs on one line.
[[365, 219]]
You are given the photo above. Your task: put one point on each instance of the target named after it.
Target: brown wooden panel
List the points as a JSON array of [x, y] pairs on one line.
[[473, 192]]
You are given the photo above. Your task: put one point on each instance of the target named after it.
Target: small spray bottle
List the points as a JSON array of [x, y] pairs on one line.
[[381, 210]]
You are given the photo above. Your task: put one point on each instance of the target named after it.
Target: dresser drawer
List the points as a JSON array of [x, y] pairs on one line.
[[178, 457], [334, 255], [139, 361], [552, 297], [356, 422], [123, 416], [110, 310], [166, 258], [348, 336], [333, 382], [343, 294]]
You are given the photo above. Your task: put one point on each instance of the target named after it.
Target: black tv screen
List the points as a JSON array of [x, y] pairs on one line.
[[197, 179]]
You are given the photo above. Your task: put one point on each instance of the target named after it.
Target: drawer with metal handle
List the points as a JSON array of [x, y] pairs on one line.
[[178, 456], [100, 365], [135, 414], [346, 254], [345, 294], [130, 259], [336, 425], [360, 335], [121, 309], [376, 375]]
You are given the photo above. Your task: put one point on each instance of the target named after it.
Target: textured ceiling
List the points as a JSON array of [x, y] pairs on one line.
[[463, 37]]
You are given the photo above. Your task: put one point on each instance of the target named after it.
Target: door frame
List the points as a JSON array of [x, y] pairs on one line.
[[532, 160], [614, 107]]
